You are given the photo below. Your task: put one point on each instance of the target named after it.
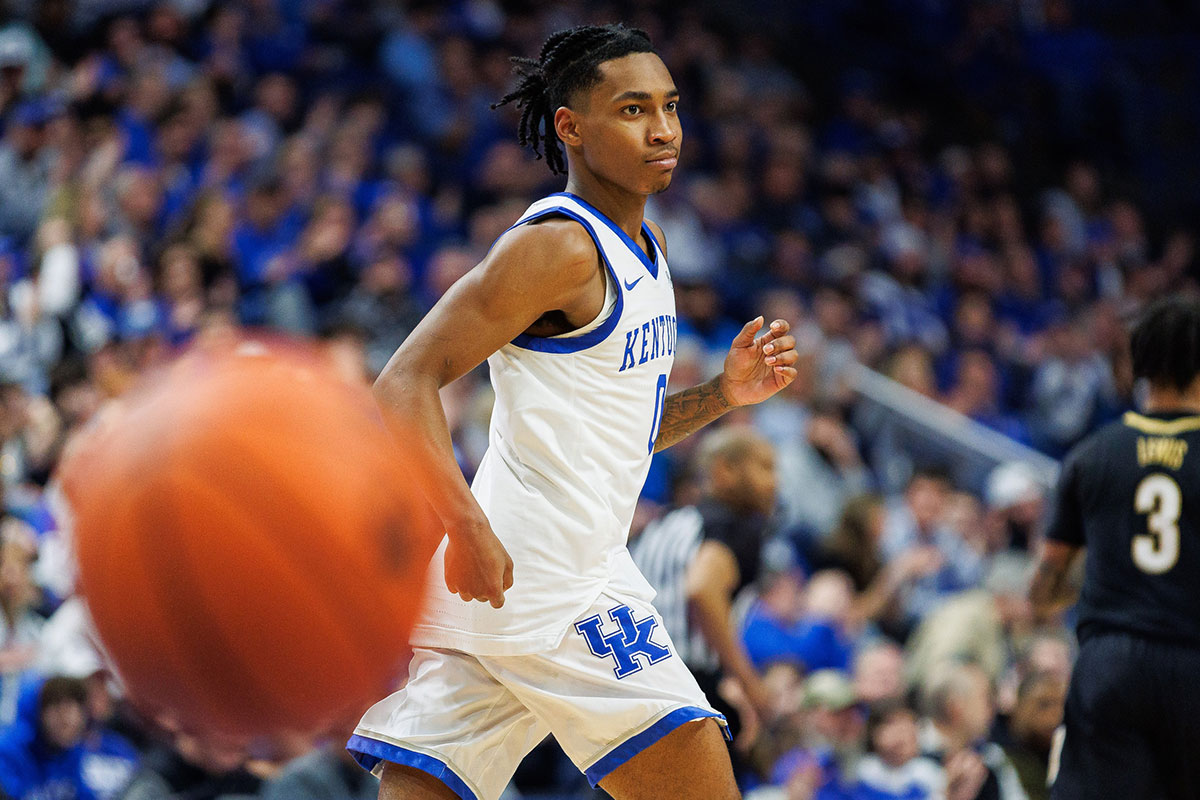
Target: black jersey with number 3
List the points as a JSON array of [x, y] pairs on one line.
[[1130, 493]]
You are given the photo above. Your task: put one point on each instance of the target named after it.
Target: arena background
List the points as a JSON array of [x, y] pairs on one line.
[[959, 206]]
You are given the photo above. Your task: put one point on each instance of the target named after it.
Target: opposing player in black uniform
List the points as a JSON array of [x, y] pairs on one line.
[[1130, 494]]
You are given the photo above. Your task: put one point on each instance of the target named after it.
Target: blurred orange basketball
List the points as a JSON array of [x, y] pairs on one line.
[[250, 546]]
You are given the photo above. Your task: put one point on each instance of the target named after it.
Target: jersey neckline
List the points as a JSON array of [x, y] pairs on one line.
[[1163, 423]]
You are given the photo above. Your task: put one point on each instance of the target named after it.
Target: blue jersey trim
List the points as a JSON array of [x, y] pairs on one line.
[[651, 265], [640, 741], [574, 344], [369, 752]]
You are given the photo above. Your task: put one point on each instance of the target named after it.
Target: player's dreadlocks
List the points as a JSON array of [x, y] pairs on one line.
[[568, 63], [1165, 343]]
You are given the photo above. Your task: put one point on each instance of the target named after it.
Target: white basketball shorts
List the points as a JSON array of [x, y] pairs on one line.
[[613, 687]]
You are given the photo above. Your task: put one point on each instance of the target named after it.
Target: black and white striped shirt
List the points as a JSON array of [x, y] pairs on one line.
[[666, 548]]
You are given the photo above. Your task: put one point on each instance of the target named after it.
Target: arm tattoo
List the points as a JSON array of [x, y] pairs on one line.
[[688, 411]]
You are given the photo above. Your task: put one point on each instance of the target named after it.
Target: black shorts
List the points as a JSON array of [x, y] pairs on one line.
[[1132, 722]]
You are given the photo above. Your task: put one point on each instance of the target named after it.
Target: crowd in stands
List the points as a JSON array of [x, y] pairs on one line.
[[888, 177]]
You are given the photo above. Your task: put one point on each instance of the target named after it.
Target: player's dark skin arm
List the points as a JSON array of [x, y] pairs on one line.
[[1052, 591], [754, 370]]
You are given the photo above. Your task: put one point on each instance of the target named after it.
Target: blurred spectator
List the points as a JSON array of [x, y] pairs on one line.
[[195, 769], [327, 773], [20, 624], [26, 165], [824, 459], [879, 672], [854, 547], [1072, 389], [916, 520], [1038, 713], [266, 267], [45, 757], [975, 393], [834, 744], [894, 768], [58, 756], [383, 307], [976, 626], [1016, 500], [809, 630], [959, 713]]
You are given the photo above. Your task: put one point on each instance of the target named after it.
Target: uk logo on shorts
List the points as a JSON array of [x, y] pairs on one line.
[[629, 640]]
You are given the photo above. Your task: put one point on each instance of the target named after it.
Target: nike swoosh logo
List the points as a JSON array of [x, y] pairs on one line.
[[629, 286]]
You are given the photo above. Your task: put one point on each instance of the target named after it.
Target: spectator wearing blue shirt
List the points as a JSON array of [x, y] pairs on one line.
[[266, 266], [810, 632], [46, 760]]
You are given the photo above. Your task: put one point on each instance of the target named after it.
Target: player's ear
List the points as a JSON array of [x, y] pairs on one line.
[[566, 125]]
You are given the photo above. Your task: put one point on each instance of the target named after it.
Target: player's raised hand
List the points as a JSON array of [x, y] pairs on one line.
[[477, 565], [755, 369]]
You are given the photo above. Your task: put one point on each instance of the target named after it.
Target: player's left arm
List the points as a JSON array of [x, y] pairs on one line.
[[1052, 590], [754, 370]]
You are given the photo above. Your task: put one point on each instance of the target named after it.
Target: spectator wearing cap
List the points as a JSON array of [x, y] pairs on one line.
[[1016, 502], [826, 762]]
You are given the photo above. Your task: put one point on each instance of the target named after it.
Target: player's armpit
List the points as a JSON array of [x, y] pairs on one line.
[[531, 270], [1051, 591]]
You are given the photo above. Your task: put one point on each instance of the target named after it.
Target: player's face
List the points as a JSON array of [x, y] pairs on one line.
[[628, 124]]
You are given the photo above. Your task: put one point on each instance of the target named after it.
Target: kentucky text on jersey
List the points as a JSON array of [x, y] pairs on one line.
[[656, 338]]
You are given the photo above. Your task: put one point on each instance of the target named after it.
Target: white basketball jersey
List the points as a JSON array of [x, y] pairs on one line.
[[571, 436]]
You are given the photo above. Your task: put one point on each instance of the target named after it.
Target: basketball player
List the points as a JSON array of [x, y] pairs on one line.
[[1128, 494], [574, 311]]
